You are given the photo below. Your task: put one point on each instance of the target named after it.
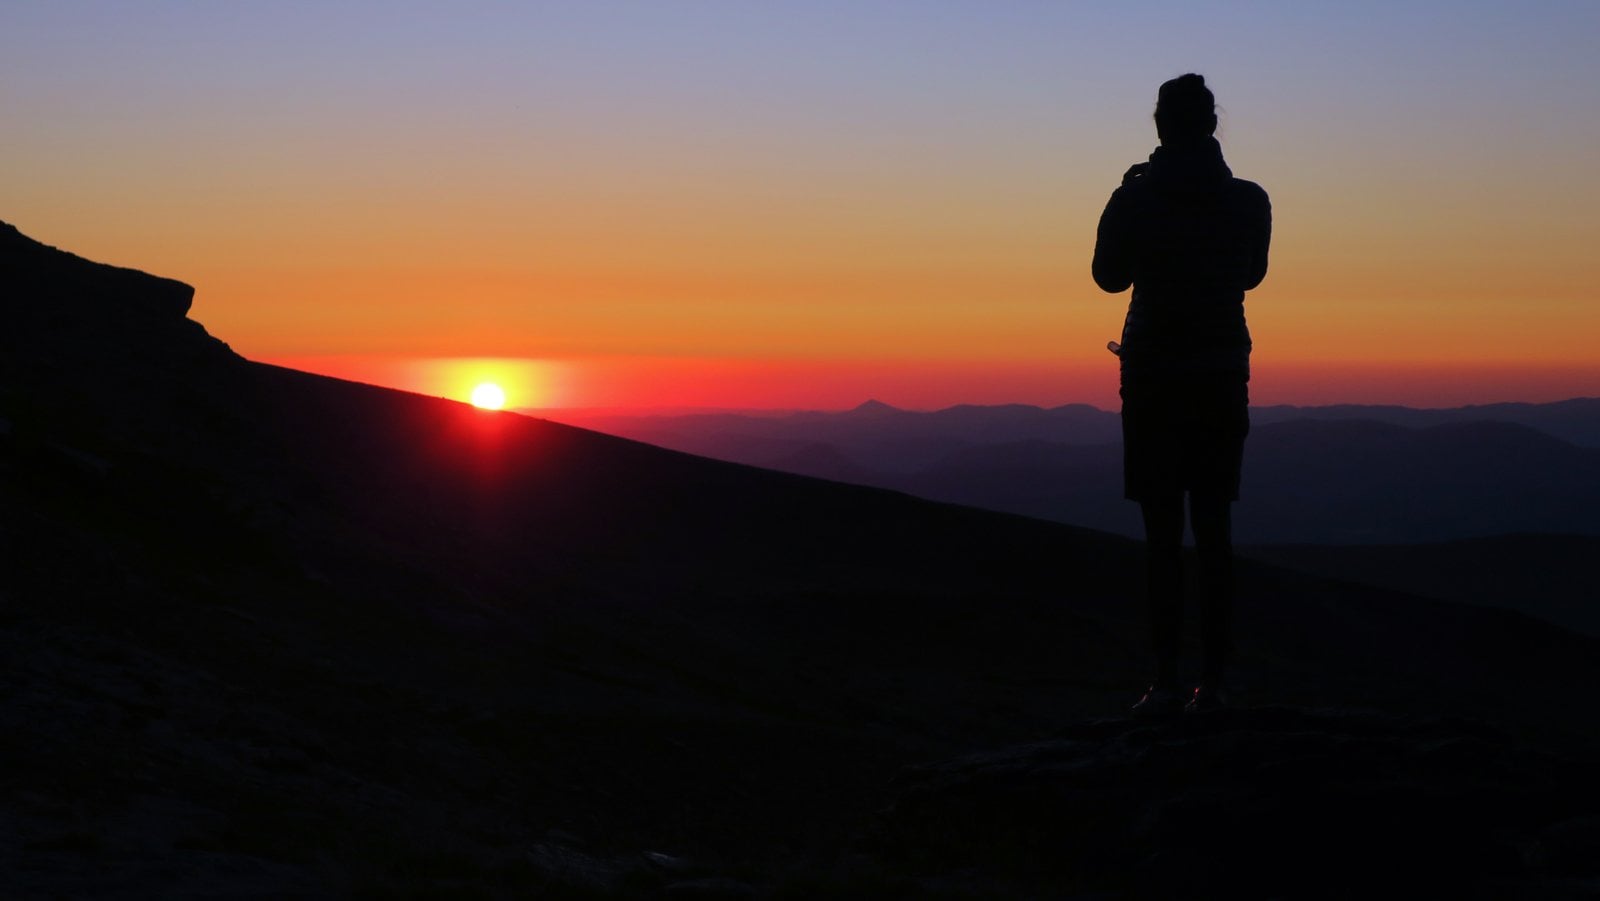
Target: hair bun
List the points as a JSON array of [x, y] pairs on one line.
[[1190, 85], [1185, 107]]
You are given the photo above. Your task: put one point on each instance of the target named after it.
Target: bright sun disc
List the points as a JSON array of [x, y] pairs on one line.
[[488, 396]]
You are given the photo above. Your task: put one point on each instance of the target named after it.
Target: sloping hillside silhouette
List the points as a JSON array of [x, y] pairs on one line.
[[272, 631]]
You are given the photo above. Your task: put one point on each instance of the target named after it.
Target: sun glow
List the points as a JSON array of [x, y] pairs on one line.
[[488, 396]]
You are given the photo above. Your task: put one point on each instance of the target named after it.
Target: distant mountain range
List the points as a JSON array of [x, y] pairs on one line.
[[1319, 475], [269, 634], [1576, 421]]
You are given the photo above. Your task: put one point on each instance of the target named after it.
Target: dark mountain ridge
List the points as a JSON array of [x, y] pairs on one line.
[[1576, 420], [276, 633]]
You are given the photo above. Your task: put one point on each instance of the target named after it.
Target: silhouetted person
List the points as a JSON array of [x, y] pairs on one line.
[[1191, 240]]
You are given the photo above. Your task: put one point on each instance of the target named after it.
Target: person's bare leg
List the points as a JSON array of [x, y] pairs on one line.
[[1163, 530], [1211, 519]]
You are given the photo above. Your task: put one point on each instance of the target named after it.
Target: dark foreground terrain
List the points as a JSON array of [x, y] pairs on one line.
[[274, 635]]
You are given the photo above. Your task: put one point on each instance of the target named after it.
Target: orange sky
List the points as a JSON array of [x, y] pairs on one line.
[[781, 206]]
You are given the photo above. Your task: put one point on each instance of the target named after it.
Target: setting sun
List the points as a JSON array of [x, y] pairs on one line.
[[488, 396]]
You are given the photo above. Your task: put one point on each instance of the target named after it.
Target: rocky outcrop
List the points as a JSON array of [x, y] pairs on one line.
[[42, 273], [65, 318], [1271, 802], [88, 347]]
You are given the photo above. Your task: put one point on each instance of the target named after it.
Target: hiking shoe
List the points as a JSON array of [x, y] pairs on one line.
[[1158, 702], [1207, 696]]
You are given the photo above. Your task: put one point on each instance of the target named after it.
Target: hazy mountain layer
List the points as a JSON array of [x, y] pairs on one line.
[[1313, 475]]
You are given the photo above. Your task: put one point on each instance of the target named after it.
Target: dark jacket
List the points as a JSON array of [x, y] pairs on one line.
[[1191, 239]]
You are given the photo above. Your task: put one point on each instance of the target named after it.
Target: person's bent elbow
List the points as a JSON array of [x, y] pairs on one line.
[[1112, 282], [1258, 274]]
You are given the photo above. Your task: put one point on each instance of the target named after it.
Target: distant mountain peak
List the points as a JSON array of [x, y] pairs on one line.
[[874, 408]]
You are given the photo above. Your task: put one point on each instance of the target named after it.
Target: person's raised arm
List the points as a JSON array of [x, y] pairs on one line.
[[1113, 264]]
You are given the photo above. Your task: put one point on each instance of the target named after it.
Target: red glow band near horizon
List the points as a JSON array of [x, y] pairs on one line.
[[671, 384]]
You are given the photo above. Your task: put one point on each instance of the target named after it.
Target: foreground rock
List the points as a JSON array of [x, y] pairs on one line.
[[1272, 802]]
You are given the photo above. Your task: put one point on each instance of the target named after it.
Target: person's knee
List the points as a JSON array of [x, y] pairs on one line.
[[1163, 519]]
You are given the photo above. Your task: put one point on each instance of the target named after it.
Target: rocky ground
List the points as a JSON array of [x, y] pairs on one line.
[[1259, 802]]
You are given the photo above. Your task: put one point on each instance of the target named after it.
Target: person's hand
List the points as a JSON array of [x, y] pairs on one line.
[[1134, 171]]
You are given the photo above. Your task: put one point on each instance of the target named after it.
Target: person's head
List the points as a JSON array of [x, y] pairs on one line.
[[1185, 110]]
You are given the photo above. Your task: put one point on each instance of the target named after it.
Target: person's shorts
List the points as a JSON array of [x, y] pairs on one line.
[[1184, 433]]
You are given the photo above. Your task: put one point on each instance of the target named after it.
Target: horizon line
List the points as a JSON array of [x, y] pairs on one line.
[[872, 403]]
